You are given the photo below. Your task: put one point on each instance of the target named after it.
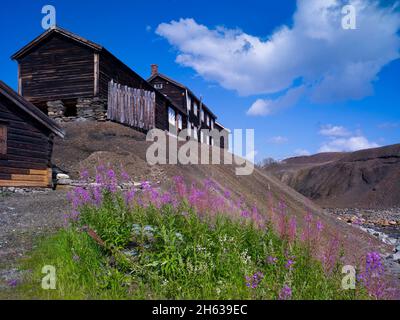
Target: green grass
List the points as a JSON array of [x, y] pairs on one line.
[[174, 254]]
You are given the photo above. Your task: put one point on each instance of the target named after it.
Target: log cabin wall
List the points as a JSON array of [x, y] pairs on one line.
[[58, 68], [26, 161]]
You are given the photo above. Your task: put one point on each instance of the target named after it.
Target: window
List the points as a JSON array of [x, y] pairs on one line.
[[171, 116], [208, 121], [189, 127], [3, 139], [158, 86], [202, 115], [180, 122], [195, 109], [188, 103], [212, 124]]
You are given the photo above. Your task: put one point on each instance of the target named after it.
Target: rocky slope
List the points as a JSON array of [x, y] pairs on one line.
[[363, 179]]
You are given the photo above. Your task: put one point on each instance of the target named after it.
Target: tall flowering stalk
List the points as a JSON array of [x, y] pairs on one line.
[[372, 277]]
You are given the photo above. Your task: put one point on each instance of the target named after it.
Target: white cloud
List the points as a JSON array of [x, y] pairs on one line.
[[334, 131], [266, 107], [333, 63], [278, 140], [302, 152], [347, 144]]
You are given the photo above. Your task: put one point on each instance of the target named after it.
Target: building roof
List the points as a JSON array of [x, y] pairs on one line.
[[178, 84], [26, 49], [30, 109], [90, 44], [222, 127]]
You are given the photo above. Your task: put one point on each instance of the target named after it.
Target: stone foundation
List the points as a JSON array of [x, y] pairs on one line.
[[92, 109], [55, 109], [87, 109]]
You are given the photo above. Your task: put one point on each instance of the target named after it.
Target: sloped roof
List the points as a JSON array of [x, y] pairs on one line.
[[181, 86], [90, 44], [30, 109], [20, 53]]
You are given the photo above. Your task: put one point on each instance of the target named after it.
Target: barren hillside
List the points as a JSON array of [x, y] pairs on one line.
[[363, 179]]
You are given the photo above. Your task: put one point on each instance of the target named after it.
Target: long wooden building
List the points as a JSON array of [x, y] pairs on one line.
[[67, 76], [26, 142], [199, 116]]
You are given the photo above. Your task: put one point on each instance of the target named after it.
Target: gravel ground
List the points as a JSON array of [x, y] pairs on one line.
[[24, 218]]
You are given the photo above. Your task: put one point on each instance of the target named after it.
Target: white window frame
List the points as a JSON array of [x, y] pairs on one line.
[[195, 109], [202, 115], [171, 116], [180, 122], [189, 103], [158, 86]]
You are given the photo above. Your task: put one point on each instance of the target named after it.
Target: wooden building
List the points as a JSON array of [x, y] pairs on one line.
[[26, 142], [199, 116], [67, 77]]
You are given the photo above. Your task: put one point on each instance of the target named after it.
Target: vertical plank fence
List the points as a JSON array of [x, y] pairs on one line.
[[130, 106]]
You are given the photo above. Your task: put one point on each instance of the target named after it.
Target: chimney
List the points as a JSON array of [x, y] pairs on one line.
[[154, 69]]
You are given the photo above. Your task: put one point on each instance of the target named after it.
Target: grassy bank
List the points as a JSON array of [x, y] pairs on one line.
[[196, 242]]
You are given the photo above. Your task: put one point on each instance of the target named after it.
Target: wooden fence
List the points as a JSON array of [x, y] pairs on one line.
[[130, 106]]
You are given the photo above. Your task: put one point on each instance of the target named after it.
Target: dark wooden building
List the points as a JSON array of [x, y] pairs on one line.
[[67, 77], [199, 116], [26, 142]]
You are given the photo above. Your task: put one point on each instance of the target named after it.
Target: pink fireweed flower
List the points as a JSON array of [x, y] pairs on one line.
[[307, 235], [320, 226], [84, 174], [180, 186], [129, 196], [245, 214], [292, 232], [286, 293], [331, 256], [125, 176]]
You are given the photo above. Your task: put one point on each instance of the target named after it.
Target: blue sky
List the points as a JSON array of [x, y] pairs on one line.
[[285, 68]]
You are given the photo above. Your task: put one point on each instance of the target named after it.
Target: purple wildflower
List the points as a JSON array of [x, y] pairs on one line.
[[12, 283], [272, 260], [254, 280], [286, 293]]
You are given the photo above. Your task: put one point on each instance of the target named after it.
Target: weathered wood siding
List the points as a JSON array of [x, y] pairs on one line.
[[176, 94], [133, 107], [27, 160], [59, 68]]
